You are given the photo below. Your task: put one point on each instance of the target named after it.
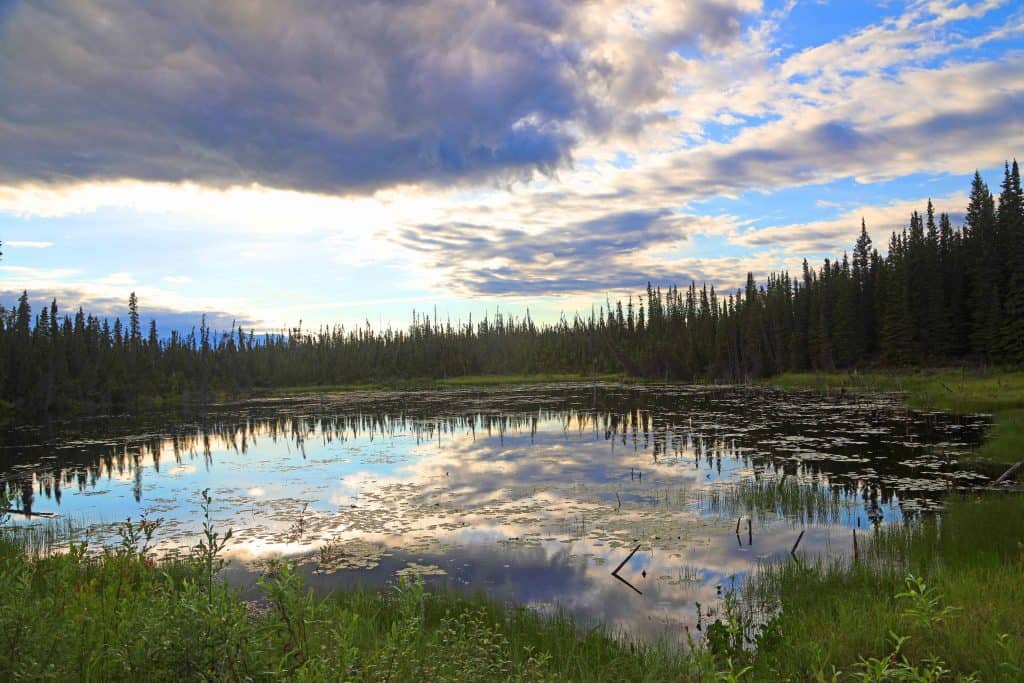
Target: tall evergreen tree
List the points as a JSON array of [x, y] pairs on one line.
[[1011, 226], [935, 322], [983, 269], [134, 331], [865, 324]]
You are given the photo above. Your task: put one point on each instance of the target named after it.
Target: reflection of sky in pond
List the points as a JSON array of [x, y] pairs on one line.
[[533, 494]]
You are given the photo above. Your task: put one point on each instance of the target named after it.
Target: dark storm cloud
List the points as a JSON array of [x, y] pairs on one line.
[[321, 96], [307, 94]]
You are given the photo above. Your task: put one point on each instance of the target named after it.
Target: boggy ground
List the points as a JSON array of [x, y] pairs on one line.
[[960, 391], [962, 614], [938, 600]]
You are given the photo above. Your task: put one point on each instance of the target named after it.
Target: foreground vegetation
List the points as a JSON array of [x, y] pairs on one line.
[[936, 600], [944, 595], [121, 615], [922, 602]]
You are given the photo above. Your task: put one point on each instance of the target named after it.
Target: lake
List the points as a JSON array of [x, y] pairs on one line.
[[527, 493]]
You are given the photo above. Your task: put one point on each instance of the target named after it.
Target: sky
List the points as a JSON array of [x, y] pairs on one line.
[[271, 162]]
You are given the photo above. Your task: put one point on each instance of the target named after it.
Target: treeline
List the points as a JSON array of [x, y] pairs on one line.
[[941, 293]]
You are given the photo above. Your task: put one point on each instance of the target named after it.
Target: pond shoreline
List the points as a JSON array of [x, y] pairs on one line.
[[855, 598]]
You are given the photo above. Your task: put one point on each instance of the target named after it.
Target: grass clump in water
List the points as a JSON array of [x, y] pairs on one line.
[[803, 502]]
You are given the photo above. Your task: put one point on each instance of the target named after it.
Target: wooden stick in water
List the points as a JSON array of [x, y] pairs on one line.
[[638, 591], [628, 558], [622, 564], [798, 538]]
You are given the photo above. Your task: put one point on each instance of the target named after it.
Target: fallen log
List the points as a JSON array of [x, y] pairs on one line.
[[47, 515], [1008, 473]]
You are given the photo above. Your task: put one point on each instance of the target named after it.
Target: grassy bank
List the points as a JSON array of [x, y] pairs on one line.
[[427, 383], [958, 391], [962, 613], [120, 615], [118, 618]]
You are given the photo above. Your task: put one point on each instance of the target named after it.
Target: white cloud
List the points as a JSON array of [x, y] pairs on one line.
[[24, 244], [835, 235], [108, 296], [177, 279]]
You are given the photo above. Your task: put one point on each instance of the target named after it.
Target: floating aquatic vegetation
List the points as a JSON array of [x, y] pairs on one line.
[[337, 555], [414, 569]]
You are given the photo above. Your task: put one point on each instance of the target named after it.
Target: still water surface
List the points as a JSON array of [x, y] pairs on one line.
[[533, 494]]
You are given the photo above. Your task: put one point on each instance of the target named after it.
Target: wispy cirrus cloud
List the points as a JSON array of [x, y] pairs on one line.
[[591, 255], [834, 235]]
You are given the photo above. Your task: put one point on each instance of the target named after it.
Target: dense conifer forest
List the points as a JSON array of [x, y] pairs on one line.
[[940, 293]]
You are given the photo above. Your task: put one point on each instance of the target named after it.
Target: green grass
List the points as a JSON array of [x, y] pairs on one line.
[[118, 618], [843, 617], [489, 380], [970, 614], [120, 615], [1000, 393]]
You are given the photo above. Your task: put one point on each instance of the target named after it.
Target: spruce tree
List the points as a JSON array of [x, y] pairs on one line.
[[897, 332], [983, 269], [936, 326], [847, 343], [863, 292], [134, 331], [1011, 223]]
